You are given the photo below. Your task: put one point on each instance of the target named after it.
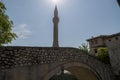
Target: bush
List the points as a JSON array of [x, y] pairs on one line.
[[102, 55]]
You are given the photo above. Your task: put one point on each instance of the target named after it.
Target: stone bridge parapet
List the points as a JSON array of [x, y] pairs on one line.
[[11, 57]]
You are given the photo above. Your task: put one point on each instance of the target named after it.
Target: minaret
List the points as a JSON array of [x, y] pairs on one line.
[[55, 33]]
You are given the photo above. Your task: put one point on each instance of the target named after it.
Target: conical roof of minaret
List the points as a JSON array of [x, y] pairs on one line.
[[55, 11]]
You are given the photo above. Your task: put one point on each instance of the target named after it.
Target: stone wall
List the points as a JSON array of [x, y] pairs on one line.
[[38, 63], [113, 44]]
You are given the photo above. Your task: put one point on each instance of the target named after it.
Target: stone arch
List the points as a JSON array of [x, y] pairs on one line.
[[80, 59], [75, 65]]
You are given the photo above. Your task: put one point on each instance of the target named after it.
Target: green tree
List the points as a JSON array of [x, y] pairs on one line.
[[102, 55], [118, 1], [6, 34], [84, 47]]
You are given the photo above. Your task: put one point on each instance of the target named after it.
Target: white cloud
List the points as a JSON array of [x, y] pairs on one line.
[[22, 31]]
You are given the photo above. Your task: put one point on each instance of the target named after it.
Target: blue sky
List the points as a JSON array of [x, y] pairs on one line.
[[79, 20]]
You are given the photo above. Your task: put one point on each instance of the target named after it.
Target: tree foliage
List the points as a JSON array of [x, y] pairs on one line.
[[102, 55], [84, 47], [6, 34], [118, 2]]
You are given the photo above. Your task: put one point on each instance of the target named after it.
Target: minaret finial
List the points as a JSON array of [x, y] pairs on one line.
[[55, 33], [55, 11]]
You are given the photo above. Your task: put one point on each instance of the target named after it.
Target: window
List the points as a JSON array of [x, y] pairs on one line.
[[95, 50], [92, 42], [109, 40], [116, 38]]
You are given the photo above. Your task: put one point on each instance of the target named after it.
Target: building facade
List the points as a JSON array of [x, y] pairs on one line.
[[97, 42], [112, 43]]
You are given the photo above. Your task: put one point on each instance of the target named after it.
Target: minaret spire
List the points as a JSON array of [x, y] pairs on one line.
[[56, 11], [55, 33]]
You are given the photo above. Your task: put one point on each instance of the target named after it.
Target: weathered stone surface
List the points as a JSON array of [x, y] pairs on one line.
[[41, 63], [112, 42], [114, 52]]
